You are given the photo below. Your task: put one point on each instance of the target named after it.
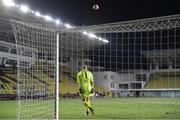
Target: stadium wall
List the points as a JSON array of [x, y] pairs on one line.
[[115, 81], [161, 93]]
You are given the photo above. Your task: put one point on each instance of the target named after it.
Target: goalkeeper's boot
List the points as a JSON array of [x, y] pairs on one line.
[[92, 110], [87, 112]]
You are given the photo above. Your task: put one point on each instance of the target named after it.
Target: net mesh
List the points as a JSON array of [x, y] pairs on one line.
[[36, 56], [141, 58]]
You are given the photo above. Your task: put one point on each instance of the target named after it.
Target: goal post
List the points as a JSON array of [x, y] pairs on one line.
[[57, 79], [38, 71]]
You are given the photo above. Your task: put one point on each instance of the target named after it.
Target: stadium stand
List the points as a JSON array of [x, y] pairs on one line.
[[163, 80], [7, 83], [67, 87]]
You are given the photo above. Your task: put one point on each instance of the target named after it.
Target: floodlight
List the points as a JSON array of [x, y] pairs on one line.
[[106, 41], [100, 38], [24, 8], [57, 22], [48, 18], [92, 35], [68, 26], [17, 5], [9, 3], [85, 33], [38, 14]]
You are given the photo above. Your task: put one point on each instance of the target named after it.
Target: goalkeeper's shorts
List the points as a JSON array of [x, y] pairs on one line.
[[86, 91]]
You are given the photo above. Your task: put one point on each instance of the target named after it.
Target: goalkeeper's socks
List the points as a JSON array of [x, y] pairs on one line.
[[92, 110], [87, 112]]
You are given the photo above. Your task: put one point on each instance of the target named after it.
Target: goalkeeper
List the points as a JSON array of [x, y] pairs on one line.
[[86, 85]]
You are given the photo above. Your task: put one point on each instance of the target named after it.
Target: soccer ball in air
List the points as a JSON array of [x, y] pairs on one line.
[[96, 7]]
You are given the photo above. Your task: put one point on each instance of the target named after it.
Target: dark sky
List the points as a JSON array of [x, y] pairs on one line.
[[80, 12]]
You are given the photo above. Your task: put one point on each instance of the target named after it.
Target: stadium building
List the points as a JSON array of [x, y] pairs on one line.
[[128, 59], [142, 56]]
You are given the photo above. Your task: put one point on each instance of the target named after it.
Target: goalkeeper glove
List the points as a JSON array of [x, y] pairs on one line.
[[92, 90], [80, 90]]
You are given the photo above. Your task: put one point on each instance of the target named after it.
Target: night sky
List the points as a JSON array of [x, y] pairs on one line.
[[80, 12]]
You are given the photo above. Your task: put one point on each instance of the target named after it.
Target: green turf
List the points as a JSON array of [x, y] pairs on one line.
[[122, 108], [7, 109]]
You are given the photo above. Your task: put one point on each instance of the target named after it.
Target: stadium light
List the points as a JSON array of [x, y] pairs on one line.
[[92, 35], [17, 5], [106, 41], [57, 22], [37, 14], [9, 3], [100, 38], [68, 26], [48, 18], [85, 33], [24, 8]]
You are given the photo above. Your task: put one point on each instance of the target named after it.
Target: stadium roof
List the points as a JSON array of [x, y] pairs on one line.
[[11, 10], [149, 24], [6, 14], [84, 33]]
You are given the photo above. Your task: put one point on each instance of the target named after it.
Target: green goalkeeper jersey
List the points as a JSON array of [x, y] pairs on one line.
[[85, 81]]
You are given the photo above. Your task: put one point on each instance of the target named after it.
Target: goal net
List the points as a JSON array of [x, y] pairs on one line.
[[37, 54]]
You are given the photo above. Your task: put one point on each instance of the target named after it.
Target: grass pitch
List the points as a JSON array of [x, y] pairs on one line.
[[118, 108]]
